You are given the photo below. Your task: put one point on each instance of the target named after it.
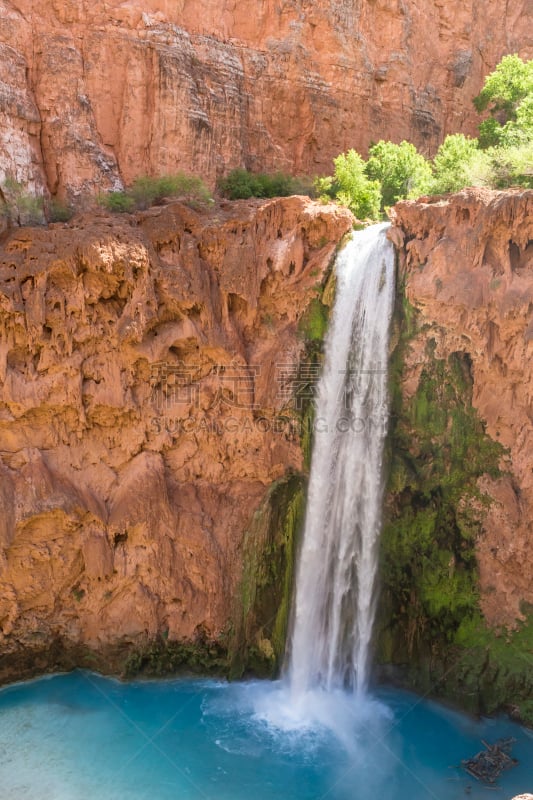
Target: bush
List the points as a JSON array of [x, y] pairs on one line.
[[118, 202], [520, 130], [401, 170], [147, 191], [59, 212], [240, 184], [506, 87]]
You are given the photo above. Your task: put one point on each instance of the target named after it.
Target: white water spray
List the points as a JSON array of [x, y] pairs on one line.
[[334, 606]]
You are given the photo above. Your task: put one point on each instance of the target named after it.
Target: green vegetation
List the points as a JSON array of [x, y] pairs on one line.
[[456, 162], [508, 96], [59, 212], [163, 657], [501, 157], [400, 169], [438, 451], [430, 620], [21, 207], [147, 191], [241, 184], [262, 610], [350, 186], [314, 322]]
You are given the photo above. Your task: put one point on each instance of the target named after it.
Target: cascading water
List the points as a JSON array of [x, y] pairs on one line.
[[334, 606]]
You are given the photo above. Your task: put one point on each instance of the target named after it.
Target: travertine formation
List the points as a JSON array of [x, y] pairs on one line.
[[467, 262], [94, 93], [145, 366]]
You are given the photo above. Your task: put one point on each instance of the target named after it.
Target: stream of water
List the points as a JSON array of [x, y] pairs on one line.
[[317, 734], [336, 577]]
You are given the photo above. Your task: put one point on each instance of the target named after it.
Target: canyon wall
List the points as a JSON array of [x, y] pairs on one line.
[[147, 436], [457, 554], [93, 94], [156, 377]]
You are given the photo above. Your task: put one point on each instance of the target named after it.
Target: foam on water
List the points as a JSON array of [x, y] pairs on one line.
[[80, 736]]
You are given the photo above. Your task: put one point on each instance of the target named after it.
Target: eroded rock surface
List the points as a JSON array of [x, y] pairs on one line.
[[96, 93], [467, 263], [142, 364]]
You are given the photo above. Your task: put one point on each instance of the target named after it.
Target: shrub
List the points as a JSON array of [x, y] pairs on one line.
[[506, 87], [520, 130], [147, 191], [241, 184], [118, 202], [512, 166], [59, 212], [237, 185], [401, 170]]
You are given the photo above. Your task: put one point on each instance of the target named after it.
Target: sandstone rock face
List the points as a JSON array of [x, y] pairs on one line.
[[140, 382], [468, 268], [95, 93]]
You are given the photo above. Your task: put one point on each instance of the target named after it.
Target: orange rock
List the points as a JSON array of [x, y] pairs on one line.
[[139, 383], [96, 93], [468, 268]]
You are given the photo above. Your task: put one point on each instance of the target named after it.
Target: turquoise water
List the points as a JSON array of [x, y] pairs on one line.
[[83, 737]]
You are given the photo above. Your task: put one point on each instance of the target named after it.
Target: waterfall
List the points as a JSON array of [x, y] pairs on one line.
[[334, 607]]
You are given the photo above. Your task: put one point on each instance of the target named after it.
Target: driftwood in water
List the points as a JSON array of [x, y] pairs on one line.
[[488, 764]]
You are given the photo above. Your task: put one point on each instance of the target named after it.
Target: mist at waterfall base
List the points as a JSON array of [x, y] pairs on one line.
[[318, 732], [83, 737]]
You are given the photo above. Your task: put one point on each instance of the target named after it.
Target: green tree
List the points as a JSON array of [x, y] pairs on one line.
[[401, 170], [512, 166], [506, 87], [351, 186], [520, 130], [503, 93], [456, 161]]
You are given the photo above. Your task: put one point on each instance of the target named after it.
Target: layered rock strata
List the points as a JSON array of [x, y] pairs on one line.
[[95, 93]]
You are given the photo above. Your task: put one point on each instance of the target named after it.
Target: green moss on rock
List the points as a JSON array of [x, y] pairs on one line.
[[429, 619], [267, 582], [160, 657]]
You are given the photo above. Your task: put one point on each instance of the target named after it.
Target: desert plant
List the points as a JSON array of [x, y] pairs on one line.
[[241, 184], [118, 202], [59, 212], [147, 191]]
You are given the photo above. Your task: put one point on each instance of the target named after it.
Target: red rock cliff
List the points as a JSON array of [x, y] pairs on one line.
[[467, 263], [140, 381], [94, 93]]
